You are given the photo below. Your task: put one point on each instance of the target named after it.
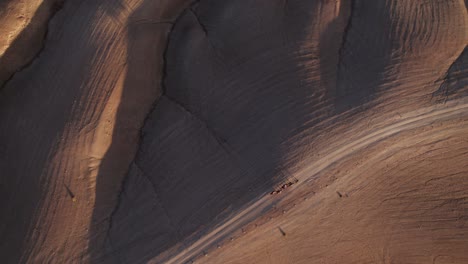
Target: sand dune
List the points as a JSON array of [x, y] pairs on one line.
[[23, 30], [285, 131]]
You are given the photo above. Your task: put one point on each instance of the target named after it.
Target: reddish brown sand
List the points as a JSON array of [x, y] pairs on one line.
[[269, 131]]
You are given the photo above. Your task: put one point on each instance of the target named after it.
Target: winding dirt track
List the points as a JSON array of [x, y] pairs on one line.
[[412, 121], [136, 131]]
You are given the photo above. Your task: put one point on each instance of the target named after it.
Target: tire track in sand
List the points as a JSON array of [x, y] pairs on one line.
[[413, 120]]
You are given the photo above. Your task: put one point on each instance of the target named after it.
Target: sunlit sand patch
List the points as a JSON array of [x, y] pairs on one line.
[[102, 138]]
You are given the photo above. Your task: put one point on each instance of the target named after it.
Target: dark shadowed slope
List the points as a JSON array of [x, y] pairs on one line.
[[252, 99], [455, 82]]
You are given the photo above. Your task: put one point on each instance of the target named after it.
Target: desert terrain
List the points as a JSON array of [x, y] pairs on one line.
[[269, 131]]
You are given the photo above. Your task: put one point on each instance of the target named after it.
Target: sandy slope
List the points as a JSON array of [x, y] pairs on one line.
[[59, 120], [24, 27], [155, 131]]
